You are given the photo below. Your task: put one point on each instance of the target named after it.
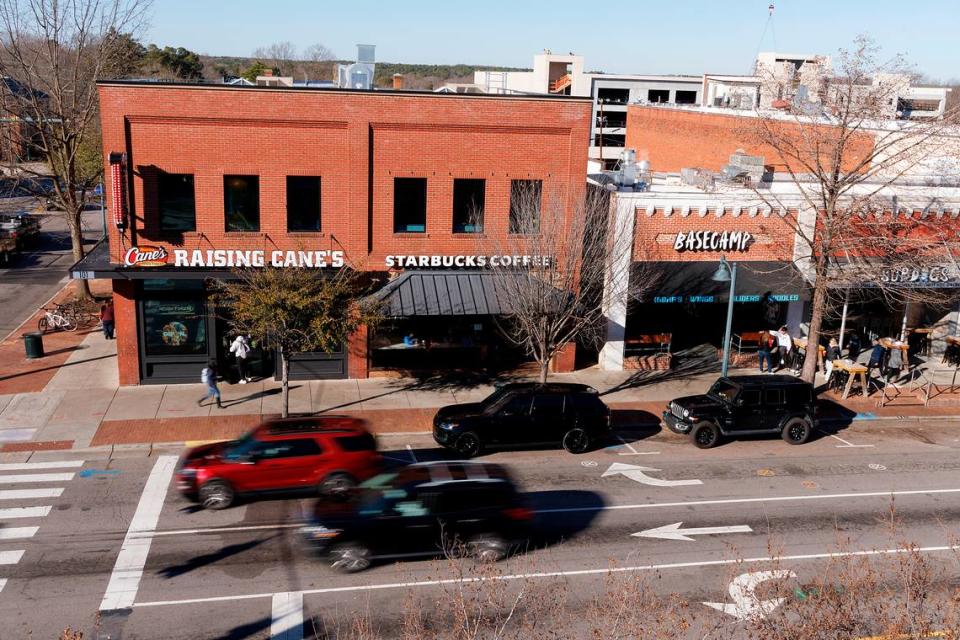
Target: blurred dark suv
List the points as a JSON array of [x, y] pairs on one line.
[[324, 455], [427, 509], [569, 415], [746, 405]]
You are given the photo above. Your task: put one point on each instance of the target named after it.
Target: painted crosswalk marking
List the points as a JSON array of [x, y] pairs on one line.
[[23, 478], [17, 533], [28, 494], [24, 512], [11, 557], [30, 466]]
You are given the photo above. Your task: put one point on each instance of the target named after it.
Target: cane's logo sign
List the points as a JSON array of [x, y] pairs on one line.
[[145, 256]]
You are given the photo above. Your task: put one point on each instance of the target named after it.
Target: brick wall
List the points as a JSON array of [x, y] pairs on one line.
[[672, 139], [125, 314]]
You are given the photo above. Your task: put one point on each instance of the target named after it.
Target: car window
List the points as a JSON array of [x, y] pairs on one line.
[[548, 405], [410, 508], [749, 397], [288, 449], [241, 448], [516, 405], [724, 390], [773, 396], [798, 394], [363, 442]]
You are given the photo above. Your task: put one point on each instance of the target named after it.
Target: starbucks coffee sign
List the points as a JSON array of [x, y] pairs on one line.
[[712, 241]]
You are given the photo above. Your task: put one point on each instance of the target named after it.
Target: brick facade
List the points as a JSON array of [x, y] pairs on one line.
[[357, 143]]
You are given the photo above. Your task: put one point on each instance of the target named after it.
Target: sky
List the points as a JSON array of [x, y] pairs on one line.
[[636, 36]]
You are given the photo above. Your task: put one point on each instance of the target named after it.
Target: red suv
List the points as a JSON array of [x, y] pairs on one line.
[[326, 455]]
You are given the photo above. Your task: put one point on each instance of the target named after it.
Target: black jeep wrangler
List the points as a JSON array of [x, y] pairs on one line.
[[745, 405]]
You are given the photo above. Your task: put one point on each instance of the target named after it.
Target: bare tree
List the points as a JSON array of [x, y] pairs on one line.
[[551, 268], [279, 55], [848, 160], [317, 63], [52, 52]]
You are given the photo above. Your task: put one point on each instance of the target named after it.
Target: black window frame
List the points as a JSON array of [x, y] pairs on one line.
[[296, 206], [464, 205], [746, 393], [229, 219], [163, 203], [401, 205], [516, 188]]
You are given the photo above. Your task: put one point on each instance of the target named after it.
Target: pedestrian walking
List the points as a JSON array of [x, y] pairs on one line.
[[768, 344], [209, 377], [895, 363], [784, 344], [106, 319], [240, 349]]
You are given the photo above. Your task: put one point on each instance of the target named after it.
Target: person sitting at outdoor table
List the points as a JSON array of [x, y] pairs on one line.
[[784, 344], [895, 362], [410, 340], [853, 346], [833, 353]]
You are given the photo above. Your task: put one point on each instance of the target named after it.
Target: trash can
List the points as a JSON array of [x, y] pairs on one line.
[[33, 344]]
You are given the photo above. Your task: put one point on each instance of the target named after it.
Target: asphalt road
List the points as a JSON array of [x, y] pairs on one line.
[[118, 535], [34, 276]]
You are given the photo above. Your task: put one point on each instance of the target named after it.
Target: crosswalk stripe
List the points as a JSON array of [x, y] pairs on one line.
[[11, 557], [18, 533], [24, 512], [26, 494], [3, 583], [36, 477], [28, 466]]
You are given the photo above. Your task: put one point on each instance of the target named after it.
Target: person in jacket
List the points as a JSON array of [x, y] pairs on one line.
[[107, 319], [768, 344], [209, 377], [895, 362], [784, 344], [833, 354], [240, 349]]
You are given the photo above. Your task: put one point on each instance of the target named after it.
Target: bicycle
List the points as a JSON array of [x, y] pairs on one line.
[[55, 319]]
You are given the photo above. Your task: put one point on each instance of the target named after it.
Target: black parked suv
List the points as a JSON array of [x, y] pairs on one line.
[[570, 415], [745, 405], [425, 509]]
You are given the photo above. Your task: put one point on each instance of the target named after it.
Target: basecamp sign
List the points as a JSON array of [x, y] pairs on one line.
[[712, 241], [148, 256], [465, 261]]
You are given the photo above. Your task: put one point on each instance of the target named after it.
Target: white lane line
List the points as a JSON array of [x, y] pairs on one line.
[[10, 557], [848, 444], [287, 616], [27, 494], [18, 533], [29, 466], [23, 478], [413, 456], [128, 570], [634, 452], [561, 574], [3, 583], [695, 503], [24, 512], [181, 532]]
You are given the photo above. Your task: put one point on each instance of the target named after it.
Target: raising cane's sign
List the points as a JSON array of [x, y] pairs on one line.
[[145, 256]]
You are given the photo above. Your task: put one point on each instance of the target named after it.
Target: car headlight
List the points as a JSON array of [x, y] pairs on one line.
[[448, 425], [188, 472], [686, 413], [320, 532]]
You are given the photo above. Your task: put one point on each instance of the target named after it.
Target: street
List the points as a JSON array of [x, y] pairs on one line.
[[84, 532]]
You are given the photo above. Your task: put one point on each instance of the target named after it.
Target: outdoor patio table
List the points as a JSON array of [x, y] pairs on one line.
[[855, 372]]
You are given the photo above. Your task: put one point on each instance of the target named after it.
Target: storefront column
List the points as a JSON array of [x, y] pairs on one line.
[[358, 363], [565, 360], [616, 285], [125, 314]]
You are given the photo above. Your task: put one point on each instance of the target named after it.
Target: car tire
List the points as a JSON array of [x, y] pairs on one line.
[[468, 445], [796, 431], [337, 485], [576, 440], [706, 435], [488, 548], [349, 557], [216, 495]]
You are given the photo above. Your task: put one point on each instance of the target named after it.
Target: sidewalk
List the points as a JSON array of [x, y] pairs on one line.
[[71, 399]]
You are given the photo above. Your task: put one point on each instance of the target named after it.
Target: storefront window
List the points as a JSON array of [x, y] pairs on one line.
[[175, 200], [241, 203], [468, 200], [175, 326]]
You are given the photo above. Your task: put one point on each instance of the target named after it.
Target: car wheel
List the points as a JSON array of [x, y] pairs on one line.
[[468, 445], [349, 557], [216, 494], [796, 431], [337, 485], [488, 548], [576, 440], [706, 436]]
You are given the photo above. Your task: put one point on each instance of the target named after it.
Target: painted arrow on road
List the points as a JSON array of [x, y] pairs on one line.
[[674, 532], [746, 605], [638, 473]]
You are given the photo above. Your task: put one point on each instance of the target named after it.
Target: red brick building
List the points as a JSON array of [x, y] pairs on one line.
[[205, 178]]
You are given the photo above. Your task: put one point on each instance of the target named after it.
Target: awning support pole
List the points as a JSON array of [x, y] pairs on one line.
[[903, 327], [843, 319]]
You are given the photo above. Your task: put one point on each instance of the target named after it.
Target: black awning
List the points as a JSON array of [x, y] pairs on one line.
[[757, 281], [444, 293]]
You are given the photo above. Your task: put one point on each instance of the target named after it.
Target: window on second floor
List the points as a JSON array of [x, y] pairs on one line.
[[176, 202], [303, 203], [241, 203], [468, 200], [409, 205], [525, 201]]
